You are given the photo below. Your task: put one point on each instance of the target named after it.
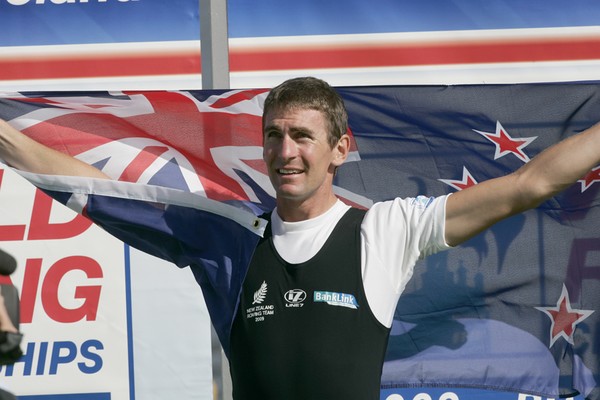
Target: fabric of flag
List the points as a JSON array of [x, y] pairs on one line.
[[514, 309]]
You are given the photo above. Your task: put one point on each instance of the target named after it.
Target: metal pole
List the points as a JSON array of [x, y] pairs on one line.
[[214, 56], [214, 44]]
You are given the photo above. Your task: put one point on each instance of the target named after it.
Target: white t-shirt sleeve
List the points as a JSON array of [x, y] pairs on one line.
[[395, 235]]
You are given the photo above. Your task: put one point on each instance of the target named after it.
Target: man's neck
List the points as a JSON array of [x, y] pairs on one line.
[[295, 211]]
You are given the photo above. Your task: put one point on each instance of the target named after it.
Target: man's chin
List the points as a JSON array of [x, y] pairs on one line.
[[290, 194], [287, 195]]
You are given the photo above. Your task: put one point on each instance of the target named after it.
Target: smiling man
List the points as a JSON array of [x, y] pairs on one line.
[[301, 161], [318, 300]]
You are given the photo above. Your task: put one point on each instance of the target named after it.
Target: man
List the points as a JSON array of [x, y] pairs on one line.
[[10, 337], [319, 295]]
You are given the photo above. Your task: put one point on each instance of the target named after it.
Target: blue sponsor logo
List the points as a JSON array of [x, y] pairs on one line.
[[336, 299]]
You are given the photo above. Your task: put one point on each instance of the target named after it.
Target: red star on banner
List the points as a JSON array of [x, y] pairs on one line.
[[505, 144], [564, 318], [467, 180], [591, 177]]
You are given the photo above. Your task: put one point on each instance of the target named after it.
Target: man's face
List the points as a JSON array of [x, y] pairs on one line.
[[298, 155]]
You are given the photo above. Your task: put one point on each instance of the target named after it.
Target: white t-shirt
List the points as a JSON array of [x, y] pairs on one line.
[[388, 253]]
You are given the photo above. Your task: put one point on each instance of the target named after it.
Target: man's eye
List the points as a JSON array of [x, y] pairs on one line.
[[304, 135]]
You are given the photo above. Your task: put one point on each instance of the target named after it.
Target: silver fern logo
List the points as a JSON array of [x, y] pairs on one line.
[[258, 311], [260, 294]]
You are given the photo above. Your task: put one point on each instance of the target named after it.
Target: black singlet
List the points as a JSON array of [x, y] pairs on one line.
[[305, 331]]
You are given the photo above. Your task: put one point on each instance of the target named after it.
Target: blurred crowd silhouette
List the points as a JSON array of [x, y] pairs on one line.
[[10, 337]]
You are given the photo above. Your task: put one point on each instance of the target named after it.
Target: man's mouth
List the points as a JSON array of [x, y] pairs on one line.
[[285, 171]]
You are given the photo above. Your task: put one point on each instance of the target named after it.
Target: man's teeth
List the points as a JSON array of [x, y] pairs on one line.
[[288, 171]]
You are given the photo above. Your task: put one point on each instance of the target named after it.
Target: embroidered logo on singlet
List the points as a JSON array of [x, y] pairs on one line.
[[260, 311], [336, 299], [295, 298], [260, 294]]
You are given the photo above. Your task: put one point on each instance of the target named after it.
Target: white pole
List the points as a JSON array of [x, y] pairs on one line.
[[214, 44]]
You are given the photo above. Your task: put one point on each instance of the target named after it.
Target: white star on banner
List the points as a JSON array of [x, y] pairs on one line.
[[564, 318], [505, 144]]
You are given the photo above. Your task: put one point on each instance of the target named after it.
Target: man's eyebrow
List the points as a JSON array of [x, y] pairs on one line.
[[296, 129], [293, 129], [271, 127]]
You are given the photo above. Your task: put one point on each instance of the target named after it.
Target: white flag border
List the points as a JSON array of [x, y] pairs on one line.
[[137, 191]]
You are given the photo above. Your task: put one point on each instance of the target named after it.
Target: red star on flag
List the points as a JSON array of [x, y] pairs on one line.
[[467, 180], [505, 144], [564, 318], [591, 177]]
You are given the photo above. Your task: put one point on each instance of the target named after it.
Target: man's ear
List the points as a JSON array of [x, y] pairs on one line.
[[341, 149]]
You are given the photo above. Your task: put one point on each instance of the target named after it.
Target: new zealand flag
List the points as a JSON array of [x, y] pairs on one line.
[[513, 309]]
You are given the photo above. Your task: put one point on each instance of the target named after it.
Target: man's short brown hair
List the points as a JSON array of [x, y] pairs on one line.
[[310, 93]]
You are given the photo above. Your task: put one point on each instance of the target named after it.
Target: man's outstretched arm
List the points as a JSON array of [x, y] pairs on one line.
[[472, 210], [21, 152]]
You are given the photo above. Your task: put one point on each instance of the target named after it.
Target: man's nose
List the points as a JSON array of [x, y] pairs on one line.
[[288, 147]]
